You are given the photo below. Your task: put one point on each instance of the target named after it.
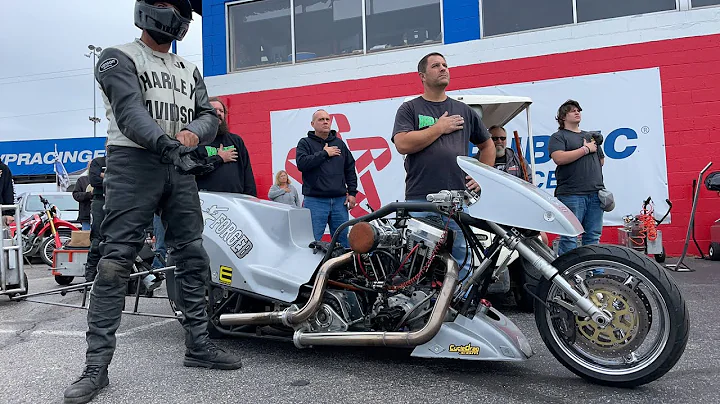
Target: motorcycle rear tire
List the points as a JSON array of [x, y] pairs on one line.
[[679, 319]]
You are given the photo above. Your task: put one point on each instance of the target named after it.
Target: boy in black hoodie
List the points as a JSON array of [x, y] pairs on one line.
[[328, 176]]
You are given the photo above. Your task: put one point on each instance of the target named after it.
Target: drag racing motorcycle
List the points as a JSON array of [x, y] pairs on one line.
[[43, 232], [607, 313]]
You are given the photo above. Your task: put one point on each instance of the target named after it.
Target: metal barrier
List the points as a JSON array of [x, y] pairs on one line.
[[9, 276]]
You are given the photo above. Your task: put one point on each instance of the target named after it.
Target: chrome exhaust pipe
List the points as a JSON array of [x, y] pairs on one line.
[[395, 339], [291, 316]]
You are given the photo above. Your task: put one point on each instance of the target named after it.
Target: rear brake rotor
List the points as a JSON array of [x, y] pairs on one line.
[[630, 319]]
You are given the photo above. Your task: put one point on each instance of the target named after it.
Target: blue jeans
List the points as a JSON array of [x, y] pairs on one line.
[[85, 225], [588, 211], [160, 248], [459, 248], [328, 211]]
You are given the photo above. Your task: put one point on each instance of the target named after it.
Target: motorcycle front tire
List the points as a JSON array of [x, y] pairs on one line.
[[679, 319]]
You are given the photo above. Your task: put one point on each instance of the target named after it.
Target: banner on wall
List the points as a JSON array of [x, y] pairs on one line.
[[39, 157], [626, 107]]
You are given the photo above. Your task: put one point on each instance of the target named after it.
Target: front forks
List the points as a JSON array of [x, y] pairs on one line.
[[579, 305]]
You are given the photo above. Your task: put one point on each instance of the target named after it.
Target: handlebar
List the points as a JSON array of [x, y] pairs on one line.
[[43, 200]]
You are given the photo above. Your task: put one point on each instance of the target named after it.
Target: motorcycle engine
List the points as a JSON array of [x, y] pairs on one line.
[[425, 232], [393, 272]]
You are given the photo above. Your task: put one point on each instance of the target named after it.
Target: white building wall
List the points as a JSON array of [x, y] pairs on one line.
[[576, 37]]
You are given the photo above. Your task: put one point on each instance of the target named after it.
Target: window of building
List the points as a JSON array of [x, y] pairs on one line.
[[703, 3], [505, 16], [259, 33], [591, 10], [398, 23], [327, 28]]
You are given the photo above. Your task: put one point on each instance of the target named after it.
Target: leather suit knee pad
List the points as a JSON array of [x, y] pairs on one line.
[[192, 255], [111, 271]]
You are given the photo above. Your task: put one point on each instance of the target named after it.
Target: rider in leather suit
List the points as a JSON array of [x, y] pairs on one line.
[[158, 111]]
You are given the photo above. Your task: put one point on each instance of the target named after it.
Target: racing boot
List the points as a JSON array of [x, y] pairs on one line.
[[200, 351], [93, 379], [208, 355]]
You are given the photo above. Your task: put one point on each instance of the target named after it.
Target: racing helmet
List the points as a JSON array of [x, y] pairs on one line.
[[164, 24]]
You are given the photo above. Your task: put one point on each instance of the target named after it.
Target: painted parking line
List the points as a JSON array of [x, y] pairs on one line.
[[75, 334], [53, 333], [145, 327]]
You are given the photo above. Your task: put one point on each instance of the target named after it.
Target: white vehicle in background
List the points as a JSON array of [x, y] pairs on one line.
[[68, 208]]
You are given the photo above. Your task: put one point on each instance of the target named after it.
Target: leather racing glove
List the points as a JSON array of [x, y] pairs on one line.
[[184, 158]]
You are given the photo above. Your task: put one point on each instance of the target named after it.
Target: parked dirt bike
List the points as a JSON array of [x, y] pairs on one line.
[[607, 313], [43, 232]]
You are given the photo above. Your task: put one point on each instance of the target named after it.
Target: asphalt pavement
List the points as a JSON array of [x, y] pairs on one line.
[[42, 350]]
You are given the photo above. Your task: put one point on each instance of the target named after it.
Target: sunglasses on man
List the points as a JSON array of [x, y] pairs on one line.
[[496, 138]]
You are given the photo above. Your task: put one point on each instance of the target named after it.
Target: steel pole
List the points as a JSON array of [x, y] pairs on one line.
[[94, 96]]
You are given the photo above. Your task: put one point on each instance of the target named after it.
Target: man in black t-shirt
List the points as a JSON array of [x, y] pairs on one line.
[[579, 176], [431, 131]]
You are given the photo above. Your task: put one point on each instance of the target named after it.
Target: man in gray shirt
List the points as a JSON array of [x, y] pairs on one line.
[[431, 131], [579, 176]]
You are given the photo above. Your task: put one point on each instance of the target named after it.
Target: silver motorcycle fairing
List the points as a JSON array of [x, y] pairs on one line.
[[479, 338], [258, 246], [510, 201]]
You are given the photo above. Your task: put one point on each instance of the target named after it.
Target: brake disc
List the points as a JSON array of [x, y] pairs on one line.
[[630, 319]]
